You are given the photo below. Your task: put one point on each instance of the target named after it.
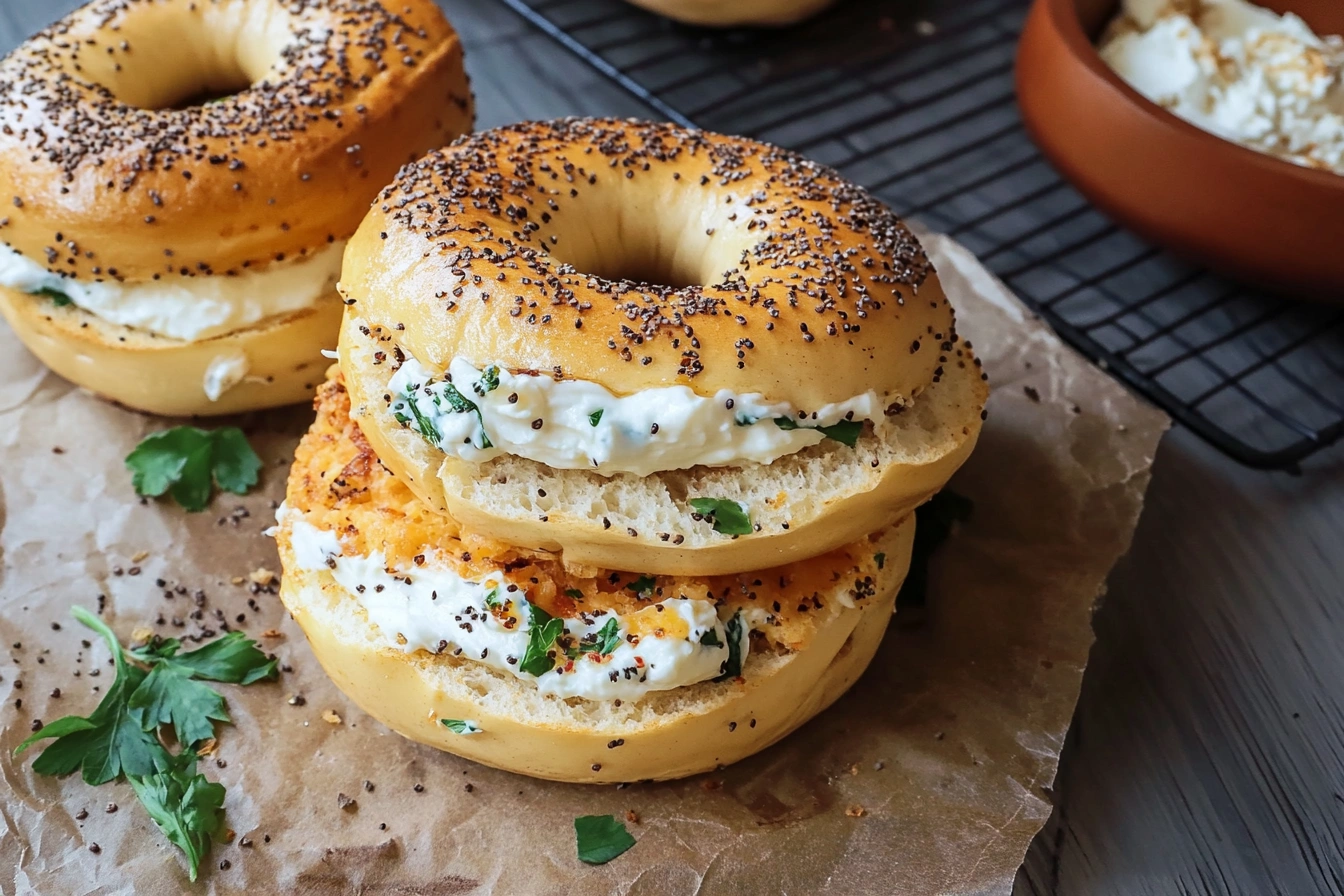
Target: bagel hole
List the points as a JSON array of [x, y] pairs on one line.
[[183, 56], [648, 267]]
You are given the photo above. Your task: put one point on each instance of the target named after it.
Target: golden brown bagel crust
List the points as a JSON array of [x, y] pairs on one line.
[[814, 291], [165, 376], [94, 187], [725, 13]]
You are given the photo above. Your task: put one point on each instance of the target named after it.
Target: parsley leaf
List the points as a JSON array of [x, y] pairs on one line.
[[732, 667], [168, 696], [58, 298], [492, 599], [542, 632], [188, 808], [880, 558], [846, 432], [608, 637], [728, 517], [595, 417], [600, 838], [183, 461], [111, 740], [234, 658], [461, 726], [711, 638], [643, 586], [574, 594]]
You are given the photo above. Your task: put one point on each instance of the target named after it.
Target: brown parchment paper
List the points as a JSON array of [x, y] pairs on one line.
[[948, 744]]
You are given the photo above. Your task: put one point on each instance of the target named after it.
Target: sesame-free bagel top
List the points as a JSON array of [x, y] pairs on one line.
[[540, 247], [104, 172]]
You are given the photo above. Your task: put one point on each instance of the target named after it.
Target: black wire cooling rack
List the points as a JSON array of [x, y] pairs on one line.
[[915, 100]]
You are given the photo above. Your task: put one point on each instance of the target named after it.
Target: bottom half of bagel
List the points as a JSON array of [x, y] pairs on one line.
[[274, 362], [514, 659]]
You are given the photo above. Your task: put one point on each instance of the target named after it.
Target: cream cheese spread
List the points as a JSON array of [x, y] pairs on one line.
[[1239, 71], [598, 656], [187, 308], [479, 414]]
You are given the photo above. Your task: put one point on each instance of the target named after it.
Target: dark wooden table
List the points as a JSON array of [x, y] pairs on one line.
[[1207, 754]]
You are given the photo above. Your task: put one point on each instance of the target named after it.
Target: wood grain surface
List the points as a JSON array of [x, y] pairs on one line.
[[1207, 754]]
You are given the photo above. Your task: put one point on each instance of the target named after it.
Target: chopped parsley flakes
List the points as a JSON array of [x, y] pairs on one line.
[[461, 726]]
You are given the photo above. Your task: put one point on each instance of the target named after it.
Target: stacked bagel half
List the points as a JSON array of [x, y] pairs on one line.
[[615, 478]]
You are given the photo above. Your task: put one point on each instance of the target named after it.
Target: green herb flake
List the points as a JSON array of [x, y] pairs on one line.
[[423, 424], [881, 560], [488, 382], [600, 838], [608, 637], [185, 461], [58, 298], [643, 586], [846, 432], [711, 638], [728, 517], [187, 807], [461, 726], [595, 417], [493, 600], [732, 667], [542, 632], [574, 594]]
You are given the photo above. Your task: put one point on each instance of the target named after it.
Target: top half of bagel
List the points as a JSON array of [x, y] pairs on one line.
[[148, 139], [652, 348], [635, 255]]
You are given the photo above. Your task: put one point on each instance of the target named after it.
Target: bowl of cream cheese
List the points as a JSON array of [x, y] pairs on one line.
[[1213, 127]]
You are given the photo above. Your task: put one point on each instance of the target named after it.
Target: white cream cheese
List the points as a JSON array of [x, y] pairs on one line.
[[480, 414], [188, 308], [224, 372], [1239, 71], [666, 645]]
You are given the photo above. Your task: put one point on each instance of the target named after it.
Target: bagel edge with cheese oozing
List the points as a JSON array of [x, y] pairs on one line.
[[179, 178], [510, 354], [507, 657]]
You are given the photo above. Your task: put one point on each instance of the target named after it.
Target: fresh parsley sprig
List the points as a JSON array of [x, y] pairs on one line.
[[120, 737], [184, 462]]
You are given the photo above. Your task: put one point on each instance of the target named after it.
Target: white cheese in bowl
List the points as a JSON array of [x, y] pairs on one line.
[[1239, 71]]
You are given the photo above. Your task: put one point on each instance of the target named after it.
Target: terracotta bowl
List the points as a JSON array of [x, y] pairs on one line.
[[1237, 210]]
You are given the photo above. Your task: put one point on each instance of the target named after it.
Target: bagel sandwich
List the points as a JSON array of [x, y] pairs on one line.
[[651, 348], [180, 178], [513, 658]]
